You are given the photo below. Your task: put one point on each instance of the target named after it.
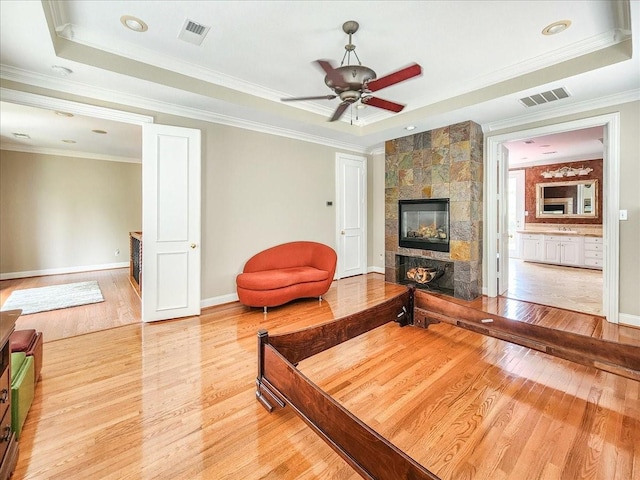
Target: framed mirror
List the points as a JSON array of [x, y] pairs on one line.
[[576, 199]]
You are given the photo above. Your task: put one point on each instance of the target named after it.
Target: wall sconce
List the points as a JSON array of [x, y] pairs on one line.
[[567, 172]]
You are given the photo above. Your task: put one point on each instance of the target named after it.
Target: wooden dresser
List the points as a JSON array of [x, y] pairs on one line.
[[8, 442]]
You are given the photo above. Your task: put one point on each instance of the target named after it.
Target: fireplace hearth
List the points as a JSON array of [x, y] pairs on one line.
[[426, 273]]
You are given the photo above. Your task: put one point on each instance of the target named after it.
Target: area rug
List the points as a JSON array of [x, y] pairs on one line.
[[54, 297]]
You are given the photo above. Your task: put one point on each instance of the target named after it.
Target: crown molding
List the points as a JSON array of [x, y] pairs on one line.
[[52, 103], [83, 36], [602, 102], [558, 161], [67, 153], [75, 88], [376, 150]]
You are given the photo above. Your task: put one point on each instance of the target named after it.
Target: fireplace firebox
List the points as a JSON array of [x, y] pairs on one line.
[[424, 224]]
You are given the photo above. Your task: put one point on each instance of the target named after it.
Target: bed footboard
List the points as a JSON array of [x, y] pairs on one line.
[[280, 383]]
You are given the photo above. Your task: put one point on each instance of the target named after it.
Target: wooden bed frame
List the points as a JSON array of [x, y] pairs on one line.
[[280, 383]]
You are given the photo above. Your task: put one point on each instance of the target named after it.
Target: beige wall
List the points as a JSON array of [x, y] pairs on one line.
[[259, 190], [62, 212], [629, 195]]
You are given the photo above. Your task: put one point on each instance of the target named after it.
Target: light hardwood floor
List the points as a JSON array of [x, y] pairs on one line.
[[176, 400], [121, 305], [578, 289]]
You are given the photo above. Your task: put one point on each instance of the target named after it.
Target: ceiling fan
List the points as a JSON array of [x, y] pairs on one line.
[[356, 82]]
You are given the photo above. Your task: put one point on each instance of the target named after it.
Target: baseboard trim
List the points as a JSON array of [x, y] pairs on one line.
[[222, 299], [62, 270], [375, 270], [629, 320]]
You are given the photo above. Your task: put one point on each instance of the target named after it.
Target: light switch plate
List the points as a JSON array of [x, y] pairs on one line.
[[623, 214]]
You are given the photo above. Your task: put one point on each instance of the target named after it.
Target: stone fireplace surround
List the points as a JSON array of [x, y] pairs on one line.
[[442, 163]]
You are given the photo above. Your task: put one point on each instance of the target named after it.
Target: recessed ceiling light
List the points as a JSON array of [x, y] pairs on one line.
[[410, 127], [133, 23], [69, 141], [101, 132], [556, 27], [22, 136], [63, 114], [60, 70]]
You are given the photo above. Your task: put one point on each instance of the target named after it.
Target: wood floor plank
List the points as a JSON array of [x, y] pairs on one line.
[[176, 399]]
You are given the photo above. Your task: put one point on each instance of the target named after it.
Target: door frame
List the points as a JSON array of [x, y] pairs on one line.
[[611, 202], [339, 208], [518, 175]]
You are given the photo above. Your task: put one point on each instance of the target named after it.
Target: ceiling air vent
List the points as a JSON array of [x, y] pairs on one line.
[[193, 32], [544, 97]]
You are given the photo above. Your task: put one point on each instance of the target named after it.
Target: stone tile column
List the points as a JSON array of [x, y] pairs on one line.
[[442, 163]]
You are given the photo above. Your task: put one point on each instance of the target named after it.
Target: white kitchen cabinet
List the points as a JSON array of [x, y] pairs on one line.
[[563, 249], [593, 252], [532, 244]]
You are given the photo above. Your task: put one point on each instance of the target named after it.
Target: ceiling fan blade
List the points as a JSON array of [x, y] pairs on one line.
[[385, 104], [332, 74], [318, 97], [395, 77], [339, 111]]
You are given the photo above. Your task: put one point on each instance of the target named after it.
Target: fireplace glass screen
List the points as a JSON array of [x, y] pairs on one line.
[[424, 224]]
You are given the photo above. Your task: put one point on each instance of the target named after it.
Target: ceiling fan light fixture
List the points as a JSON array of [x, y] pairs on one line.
[[133, 23], [556, 27], [351, 83]]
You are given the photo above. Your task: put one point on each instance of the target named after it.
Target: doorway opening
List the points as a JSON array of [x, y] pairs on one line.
[[535, 275], [497, 234]]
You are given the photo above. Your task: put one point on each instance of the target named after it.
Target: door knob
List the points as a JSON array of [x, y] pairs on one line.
[[193, 245], [342, 232]]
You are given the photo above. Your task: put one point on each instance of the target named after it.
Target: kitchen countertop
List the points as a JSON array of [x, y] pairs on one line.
[[561, 232]]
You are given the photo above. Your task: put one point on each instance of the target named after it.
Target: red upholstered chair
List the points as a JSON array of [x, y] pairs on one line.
[[286, 272]]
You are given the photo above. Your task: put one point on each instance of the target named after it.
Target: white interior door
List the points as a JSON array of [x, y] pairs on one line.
[[515, 204], [170, 222], [351, 217]]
